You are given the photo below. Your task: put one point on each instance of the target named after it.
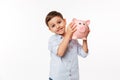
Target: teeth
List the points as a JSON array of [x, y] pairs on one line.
[[60, 29]]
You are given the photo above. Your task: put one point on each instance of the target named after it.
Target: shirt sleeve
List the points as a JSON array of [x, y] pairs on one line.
[[80, 50], [53, 44]]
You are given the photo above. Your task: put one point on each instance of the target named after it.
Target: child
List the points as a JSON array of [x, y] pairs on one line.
[[63, 49]]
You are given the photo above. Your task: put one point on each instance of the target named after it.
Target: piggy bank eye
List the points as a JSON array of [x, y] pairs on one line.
[[79, 23], [83, 23]]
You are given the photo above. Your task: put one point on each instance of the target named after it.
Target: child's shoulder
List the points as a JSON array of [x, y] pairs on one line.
[[54, 37]]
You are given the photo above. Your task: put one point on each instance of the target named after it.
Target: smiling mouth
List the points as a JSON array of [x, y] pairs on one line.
[[60, 29]]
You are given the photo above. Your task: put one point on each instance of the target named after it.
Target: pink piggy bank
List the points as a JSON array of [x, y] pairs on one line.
[[82, 29]]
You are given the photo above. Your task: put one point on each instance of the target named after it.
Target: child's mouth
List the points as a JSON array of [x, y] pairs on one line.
[[61, 29]]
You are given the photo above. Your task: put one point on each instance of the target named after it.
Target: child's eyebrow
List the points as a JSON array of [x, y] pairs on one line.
[[51, 24]]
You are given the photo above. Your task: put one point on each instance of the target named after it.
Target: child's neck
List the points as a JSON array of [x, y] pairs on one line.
[[63, 35]]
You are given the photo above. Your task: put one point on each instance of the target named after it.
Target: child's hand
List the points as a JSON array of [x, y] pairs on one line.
[[88, 33], [71, 29]]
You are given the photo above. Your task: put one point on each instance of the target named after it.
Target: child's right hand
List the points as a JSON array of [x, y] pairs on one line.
[[71, 28]]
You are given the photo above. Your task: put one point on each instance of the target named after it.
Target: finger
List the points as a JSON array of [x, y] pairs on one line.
[[74, 28], [71, 24]]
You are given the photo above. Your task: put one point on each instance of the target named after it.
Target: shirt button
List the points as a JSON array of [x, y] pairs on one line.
[[61, 37], [69, 74], [69, 70]]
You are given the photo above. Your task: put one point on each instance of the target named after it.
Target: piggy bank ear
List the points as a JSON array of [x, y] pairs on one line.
[[88, 22], [74, 19]]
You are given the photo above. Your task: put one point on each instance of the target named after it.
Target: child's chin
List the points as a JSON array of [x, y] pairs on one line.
[[61, 32]]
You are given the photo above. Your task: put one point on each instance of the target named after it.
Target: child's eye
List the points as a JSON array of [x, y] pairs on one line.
[[59, 22], [53, 26]]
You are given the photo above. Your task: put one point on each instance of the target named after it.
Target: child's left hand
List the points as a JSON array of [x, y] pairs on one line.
[[87, 33]]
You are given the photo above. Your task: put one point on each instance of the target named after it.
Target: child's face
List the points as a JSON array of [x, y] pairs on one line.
[[57, 25]]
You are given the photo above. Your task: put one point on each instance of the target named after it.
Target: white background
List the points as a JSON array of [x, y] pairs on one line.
[[24, 36]]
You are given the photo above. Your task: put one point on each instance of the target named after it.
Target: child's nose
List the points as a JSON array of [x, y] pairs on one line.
[[57, 26]]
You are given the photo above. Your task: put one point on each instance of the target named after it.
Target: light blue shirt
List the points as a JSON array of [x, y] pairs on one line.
[[66, 67]]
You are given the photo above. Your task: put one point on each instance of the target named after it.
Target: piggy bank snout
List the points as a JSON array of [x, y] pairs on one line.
[[82, 29]]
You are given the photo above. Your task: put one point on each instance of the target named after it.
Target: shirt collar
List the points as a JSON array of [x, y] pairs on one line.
[[59, 36]]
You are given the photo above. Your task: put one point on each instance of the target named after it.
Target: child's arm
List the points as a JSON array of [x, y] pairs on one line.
[[63, 45], [85, 46]]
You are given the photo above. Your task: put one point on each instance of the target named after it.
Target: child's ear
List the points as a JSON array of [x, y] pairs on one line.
[[51, 30]]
